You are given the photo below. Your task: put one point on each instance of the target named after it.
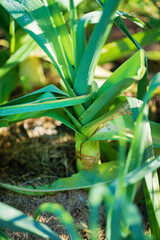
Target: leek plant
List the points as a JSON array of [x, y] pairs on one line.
[[123, 220], [94, 114], [91, 112]]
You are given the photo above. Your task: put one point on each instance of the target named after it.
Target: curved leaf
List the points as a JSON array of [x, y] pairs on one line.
[[104, 173], [132, 18], [16, 220], [114, 130], [44, 102], [92, 17], [64, 217]]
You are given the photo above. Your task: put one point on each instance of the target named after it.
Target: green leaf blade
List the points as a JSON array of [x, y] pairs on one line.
[[82, 85], [18, 221], [120, 80]]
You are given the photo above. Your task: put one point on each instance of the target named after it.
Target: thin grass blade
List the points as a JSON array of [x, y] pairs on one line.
[[64, 217]]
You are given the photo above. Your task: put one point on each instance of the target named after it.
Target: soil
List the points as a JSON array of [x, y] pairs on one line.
[[37, 152]]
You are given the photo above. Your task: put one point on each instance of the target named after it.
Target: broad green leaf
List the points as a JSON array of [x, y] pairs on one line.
[[114, 130], [121, 48], [120, 80], [57, 114], [119, 108], [16, 220], [41, 96], [45, 102], [56, 92], [134, 67], [46, 93], [59, 212], [90, 58], [104, 173]]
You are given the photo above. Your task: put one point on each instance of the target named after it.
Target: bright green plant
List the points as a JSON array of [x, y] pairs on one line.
[[94, 114], [91, 112], [122, 216], [81, 105]]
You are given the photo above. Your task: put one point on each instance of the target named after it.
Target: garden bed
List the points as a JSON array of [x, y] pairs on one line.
[[37, 152]]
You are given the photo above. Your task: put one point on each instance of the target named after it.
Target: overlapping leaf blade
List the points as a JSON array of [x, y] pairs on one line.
[[60, 24], [113, 130], [121, 79], [46, 102]]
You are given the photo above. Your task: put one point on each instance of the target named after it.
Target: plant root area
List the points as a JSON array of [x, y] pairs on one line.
[[38, 152]]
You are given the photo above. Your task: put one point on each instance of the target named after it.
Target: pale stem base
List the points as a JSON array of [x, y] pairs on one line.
[[87, 153]]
